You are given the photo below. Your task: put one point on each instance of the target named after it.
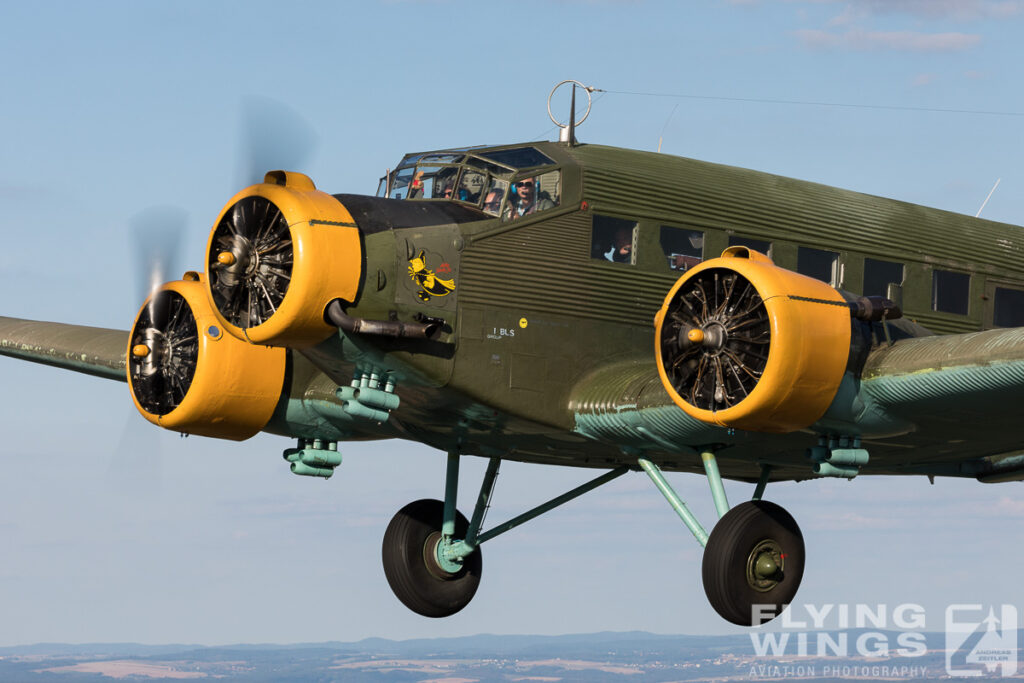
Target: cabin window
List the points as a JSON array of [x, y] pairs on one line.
[[950, 292], [682, 248], [819, 264], [613, 239], [878, 275], [532, 194], [749, 242], [1009, 308]]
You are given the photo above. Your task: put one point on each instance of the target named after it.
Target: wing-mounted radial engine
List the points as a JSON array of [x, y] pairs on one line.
[[186, 375], [744, 343], [278, 254]]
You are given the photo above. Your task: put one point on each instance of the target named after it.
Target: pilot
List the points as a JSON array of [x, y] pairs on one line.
[[527, 200], [416, 187]]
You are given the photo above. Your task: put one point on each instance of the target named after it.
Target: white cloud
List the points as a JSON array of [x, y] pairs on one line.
[[908, 41], [960, 10], [1010, 507]]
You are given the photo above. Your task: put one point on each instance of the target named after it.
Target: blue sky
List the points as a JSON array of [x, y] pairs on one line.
[[115, 531]]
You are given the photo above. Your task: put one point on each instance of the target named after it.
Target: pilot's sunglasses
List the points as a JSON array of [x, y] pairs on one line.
[[528, 183]]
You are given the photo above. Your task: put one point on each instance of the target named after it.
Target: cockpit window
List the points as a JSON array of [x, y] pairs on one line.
[[533, 194], [442, 158], [495, 193], [478, 177], [471, 184], [400, 181], [425, 182], [521, 157]]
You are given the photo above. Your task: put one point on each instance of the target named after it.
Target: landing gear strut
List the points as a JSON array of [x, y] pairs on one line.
[[753, 558], [432, 554]]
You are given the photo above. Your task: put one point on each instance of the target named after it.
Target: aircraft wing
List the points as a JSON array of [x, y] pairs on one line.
[[961, 394], [945, 405], [986, 366], [90, 350]]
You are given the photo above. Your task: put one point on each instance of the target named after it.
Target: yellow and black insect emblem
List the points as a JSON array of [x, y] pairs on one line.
[[430, 283]]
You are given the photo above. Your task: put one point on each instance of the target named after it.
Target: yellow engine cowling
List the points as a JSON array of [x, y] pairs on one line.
[[743, 343], [278, 253], [188, 376]]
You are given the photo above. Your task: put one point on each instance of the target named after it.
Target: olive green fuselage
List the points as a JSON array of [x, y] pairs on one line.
[[547, 350]]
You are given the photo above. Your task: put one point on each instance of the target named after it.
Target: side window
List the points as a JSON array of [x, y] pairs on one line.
[[612, 239], [682, 248], [1009, 308], [819, 264], [495, 193], [530, 195], [751, 243], [878, 275], [950, 291]]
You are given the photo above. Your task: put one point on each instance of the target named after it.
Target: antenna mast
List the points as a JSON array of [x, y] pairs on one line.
[[568, 130]]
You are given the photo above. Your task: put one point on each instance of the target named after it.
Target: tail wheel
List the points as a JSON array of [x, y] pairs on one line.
[[753, 563], [165, 344], [250, 262], [410, 564], [715, 339]]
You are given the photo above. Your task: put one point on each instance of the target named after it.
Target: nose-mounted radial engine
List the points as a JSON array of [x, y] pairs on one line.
[[743, 343], [278, 254], [186, 375]]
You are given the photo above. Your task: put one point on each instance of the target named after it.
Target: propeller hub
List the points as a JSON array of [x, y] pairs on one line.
[[226, 258], [714, 336]]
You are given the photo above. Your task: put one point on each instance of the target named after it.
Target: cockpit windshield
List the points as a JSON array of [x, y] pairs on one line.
[[504, 182]]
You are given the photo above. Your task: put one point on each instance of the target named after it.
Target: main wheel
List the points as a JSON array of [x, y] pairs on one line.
[[753, 563], [411, 567]]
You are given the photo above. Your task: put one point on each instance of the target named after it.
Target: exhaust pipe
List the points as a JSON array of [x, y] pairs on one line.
[[337, 316]]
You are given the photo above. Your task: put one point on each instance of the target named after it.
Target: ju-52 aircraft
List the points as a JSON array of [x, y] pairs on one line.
[[580, 305]]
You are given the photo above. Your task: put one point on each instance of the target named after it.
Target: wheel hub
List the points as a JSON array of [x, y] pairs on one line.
[[434, 558], [765, 566]]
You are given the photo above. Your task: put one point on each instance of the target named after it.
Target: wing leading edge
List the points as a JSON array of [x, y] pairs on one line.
[[91, 350]]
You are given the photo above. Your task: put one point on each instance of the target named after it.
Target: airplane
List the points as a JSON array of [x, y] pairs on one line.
[[573, 304]]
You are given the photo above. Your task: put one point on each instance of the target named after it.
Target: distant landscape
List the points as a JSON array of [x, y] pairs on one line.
[[636, 657]]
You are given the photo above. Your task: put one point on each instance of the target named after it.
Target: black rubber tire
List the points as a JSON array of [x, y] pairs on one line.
[[728, 552], [427, 590]]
